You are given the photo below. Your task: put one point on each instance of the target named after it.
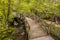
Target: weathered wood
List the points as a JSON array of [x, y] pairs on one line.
[[36, 32]]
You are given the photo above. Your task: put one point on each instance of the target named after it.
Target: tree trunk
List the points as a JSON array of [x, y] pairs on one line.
[[7, 18]]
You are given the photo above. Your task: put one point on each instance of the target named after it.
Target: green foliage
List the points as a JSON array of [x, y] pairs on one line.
[[43, 8], [55, 30], [3, 21]]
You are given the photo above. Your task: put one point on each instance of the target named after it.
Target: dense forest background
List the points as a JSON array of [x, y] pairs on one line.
[[46, 9]]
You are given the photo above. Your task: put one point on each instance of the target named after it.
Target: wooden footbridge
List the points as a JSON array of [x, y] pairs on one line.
[[36, 32], [27, 29]]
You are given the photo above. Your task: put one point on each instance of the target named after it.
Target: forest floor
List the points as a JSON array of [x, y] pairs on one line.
[[35, 32]]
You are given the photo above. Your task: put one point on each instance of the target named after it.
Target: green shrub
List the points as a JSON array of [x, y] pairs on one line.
[[55, 30]]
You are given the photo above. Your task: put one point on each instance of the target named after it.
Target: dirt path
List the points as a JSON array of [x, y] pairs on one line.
[[35, 32]]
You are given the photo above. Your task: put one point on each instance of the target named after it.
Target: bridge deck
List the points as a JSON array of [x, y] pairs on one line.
[[37, 33]]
